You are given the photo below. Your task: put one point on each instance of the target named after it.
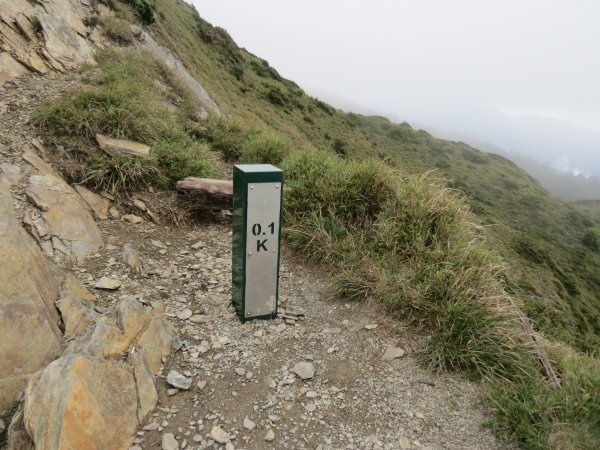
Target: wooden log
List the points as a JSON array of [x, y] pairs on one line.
[[207, 193]]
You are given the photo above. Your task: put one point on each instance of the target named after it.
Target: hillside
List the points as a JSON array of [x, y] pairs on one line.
[[427, 252], [540, 237]]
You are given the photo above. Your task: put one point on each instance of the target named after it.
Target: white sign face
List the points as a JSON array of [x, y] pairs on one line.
[[262, 248]]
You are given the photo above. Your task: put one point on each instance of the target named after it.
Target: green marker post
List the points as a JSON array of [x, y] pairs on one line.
[[257, 201]]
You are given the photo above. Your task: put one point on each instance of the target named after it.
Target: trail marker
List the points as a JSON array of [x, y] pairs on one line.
[[257, 196]]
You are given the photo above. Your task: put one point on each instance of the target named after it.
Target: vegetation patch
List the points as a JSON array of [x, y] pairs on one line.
[[538, 417], [117, 30], [128, 98], [407, 242]]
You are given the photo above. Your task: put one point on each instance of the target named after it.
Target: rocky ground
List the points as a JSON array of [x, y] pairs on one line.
[[325, 374]]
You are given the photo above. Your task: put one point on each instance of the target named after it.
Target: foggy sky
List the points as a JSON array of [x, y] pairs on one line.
[[430, 61]]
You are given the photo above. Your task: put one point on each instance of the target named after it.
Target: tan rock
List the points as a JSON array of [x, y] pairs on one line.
[[145, 388], [82, 402], [132, 317], [109, 284], [155, 342], [25, 26], [31, 60], [99, 205], [18, 439], [66, 214], [119, 147], [104, 338], [12, 389], [39, 163], [29, 285], [10, 68], [75, 307], [131, 218], [10, 173]]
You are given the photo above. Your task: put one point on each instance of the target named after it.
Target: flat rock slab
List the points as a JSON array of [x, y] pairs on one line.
[[99, 205], [219, 435], [120, 147], [178, 380], [29, 286], [66, 214], [392, 353], [304, 370], [107, 283]]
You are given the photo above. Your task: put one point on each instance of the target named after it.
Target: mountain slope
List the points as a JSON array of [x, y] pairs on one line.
[[540, 237]]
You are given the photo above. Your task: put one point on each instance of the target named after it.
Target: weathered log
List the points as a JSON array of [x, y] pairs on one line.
[[207, 193]]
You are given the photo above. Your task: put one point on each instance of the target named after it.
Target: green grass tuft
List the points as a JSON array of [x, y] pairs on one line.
[[128, 98], [408, 243], [117, 30]]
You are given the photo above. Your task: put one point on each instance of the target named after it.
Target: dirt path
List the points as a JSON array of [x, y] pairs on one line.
[[242, 379]]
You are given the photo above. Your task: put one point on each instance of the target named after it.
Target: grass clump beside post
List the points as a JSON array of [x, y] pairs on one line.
[[408, 243], [127, 98]]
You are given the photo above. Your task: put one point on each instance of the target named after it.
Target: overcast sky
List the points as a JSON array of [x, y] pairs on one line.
[[431, 62]]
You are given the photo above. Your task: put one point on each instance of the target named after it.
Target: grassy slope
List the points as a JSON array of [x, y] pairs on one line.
[[406, 241], [539, 236]]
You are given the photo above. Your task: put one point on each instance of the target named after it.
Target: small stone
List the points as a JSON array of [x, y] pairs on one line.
[[132, 218], [107, 283], [258, 333], [370, 326], [240, 371], [304, 370], [172, 391], [178, 380], [311, 394], [197, 438], [420, 415], [169, 442], [229, 446], [404, 443], [152, 426], [270, 436], [201, 384], [219, 435], [114, 212], [197, 245], [249, 375], [249, 424], [392, 353], [311, 407], [280, 328], [200, 318], [135, 447], [184, 314], [139, 205]]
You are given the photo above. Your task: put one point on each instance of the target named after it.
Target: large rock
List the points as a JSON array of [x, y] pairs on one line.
[[75, 306], [155, 342], [29, 286], [120, 147], [82, 402], [10, 68], [99, 205], [66, 214]]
